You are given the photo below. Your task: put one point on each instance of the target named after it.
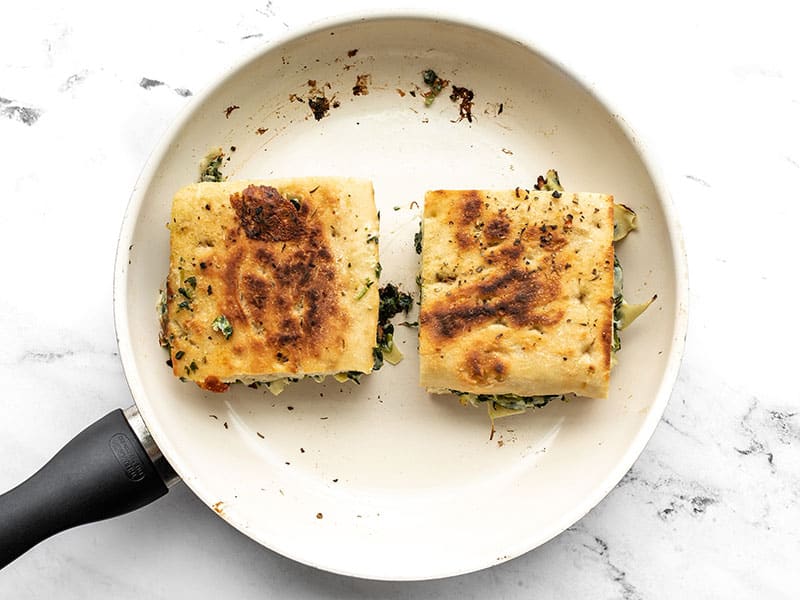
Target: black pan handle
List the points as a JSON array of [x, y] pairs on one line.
[[110, 468]]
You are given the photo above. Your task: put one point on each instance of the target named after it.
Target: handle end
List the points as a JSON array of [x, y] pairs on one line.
[[102, 472]]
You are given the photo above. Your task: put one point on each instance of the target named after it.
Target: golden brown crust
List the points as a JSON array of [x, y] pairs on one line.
[[268, 256], [516, 292]]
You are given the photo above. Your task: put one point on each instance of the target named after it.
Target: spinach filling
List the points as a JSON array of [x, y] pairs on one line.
[[616, 320], [211, 169], [511, 402], [392, 303]]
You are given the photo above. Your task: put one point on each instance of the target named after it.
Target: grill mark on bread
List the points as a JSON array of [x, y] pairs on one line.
[[283, 283], [517, 295]]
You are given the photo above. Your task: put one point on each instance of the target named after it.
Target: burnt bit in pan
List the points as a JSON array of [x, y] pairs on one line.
[[465, 99], [360, 88], [319, 106]]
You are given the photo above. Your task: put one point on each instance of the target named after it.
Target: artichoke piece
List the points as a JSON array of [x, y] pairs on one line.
[[550, 182], [629, 312], [624, 221]]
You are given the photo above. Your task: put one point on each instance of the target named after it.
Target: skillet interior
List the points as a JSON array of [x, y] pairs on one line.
[[381, 480]]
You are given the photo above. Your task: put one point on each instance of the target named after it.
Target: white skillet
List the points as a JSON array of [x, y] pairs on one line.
[[382, 480]]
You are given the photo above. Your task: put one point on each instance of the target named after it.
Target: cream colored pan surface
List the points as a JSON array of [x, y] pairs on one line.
[[382, 480]]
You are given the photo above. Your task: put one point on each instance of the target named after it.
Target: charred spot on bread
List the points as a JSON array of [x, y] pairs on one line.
[[264, 214]]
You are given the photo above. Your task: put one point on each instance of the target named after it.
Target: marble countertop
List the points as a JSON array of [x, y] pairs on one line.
[[709, 510]]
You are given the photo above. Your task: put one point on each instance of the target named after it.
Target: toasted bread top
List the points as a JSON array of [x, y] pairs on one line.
[[271, 279], [517, 290]]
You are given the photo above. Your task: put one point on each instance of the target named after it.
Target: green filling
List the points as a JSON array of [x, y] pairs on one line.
[[163, 319], [392, 302], [509, 401], [211, 171], [616, 325], [624, 313], [418, 240]]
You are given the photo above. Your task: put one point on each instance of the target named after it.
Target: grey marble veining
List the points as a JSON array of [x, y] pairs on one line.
[[709, 510], [25, 114]]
